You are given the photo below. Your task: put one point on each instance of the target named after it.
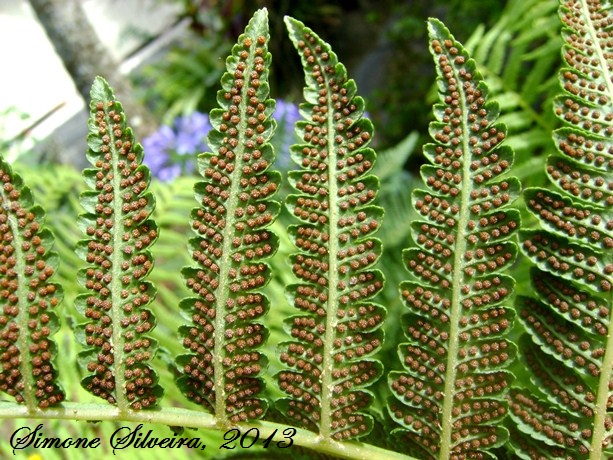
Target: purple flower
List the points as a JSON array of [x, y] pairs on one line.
[[191, 133], [286, 114], [171, 151]]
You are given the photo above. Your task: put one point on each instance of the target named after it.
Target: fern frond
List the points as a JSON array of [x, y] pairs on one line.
[[223, 370], [119, 234], [450, 397], [570, 347], [338, 329], [27, 296]]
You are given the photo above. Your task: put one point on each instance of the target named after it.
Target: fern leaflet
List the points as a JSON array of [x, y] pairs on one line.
[[27, 296], [339, 327], [223, 369], [450, 398], [119, 235], [570, 349]]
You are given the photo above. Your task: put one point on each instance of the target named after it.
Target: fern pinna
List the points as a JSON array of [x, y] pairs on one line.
[[223, 369], [119, 234], [338, 328], [450, 397], [27, 296], [569, 348]]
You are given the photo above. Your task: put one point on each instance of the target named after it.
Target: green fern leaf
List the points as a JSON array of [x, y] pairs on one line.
[[223, 370], [27, 296], [450, 397], [569, 348], [338, 328], [119, 235]]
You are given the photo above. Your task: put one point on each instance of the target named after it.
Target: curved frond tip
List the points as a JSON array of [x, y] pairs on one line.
[[329, 358], [223, 369], [119, 234]]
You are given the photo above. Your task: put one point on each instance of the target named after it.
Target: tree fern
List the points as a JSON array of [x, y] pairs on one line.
[[451, 393], [570, 350], [119, 234], [28, 298], [338, 327], [223, 370]]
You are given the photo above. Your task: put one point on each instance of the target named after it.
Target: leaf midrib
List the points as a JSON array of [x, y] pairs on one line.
[[606, 373], [457, 282], [226, 261], [332, 303], [117, 345]]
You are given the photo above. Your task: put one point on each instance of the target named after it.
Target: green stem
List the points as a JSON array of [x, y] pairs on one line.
[[447, 426], [173, 416], [327, 381], [603, 395], [602, 398], [116, 285]]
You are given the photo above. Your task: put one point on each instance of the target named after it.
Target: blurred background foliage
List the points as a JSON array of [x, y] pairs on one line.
[[383, 43]]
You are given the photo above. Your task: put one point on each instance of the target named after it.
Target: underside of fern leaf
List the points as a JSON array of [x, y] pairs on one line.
[[27, 297], [119, 235], [223, 370], [338, 328], [570, 349], [450, 397]]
